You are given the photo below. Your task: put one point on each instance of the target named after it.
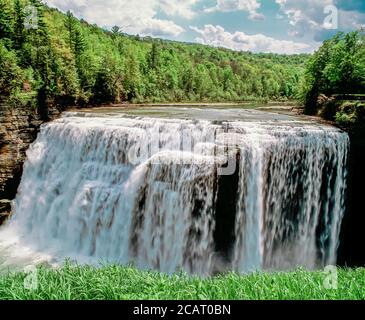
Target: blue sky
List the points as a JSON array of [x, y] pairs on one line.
[[280, 26]]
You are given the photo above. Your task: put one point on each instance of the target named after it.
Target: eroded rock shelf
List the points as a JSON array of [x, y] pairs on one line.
[[18, 129]]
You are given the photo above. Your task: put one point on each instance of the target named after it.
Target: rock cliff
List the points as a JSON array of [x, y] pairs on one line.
[[18, 129]]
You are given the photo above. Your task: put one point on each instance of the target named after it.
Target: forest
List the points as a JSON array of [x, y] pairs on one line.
[[334, 80], [67, 61]]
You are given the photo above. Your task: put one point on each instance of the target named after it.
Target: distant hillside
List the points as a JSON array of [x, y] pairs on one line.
[[69, 61]]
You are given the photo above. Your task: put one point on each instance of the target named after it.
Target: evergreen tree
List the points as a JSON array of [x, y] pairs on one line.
[[70, 27], [115, 31], [153, 58], [6, 23], [76, 40], [43, 59], [19, 30], [132, 81], [78, 45], [40, 19]]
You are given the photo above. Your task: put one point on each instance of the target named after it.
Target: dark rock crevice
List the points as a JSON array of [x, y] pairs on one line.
[[225, 213], [352, 238]]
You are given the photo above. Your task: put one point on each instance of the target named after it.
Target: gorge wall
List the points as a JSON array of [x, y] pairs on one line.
[[18, 129], [351, 252]]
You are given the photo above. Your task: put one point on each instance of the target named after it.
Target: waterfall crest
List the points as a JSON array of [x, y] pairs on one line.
[[156, 192]]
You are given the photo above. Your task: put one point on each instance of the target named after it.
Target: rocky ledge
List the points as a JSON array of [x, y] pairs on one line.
[[18, 129], [5, 210]]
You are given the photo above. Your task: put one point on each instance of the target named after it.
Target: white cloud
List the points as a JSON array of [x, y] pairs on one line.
[[308, 12], [351, 19], [182, 8], [157, 27], [250, 6], [132, 16], [218, 37], [310, 16]]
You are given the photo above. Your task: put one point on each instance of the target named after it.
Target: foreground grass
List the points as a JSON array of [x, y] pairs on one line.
[[124, 283]]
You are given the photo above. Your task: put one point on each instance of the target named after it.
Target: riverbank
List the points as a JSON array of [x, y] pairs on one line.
[[127, 283]]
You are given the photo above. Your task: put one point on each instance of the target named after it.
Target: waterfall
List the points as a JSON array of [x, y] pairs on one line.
[[178, 194]]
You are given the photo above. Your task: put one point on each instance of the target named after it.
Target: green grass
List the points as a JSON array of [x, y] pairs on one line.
[[124, 283]]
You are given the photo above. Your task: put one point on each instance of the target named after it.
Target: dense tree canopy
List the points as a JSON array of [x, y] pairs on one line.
[[66, 59], [338, 67]]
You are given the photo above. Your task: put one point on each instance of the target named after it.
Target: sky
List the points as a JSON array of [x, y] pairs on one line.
[[278, 26]]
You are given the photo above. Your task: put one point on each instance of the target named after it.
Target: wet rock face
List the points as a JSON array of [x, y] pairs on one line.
[[351, 250], [18, 129], [5, 210]]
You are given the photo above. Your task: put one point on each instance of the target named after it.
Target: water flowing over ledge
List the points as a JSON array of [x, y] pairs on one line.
[[172, 193]]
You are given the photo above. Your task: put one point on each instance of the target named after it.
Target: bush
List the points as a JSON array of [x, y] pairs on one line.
[[11, 75], [351, 113], [338, 67]]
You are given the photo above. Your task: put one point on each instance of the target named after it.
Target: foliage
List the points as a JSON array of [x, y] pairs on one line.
[[338, 67], [120, 283], [6, 23], [72, 60], [11, 76], [351, 114]]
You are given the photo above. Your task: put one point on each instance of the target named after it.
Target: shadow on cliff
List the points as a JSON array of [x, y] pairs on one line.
[[351, 250]]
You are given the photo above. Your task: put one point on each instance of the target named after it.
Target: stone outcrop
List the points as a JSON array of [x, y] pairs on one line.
[[5, 210], [18, 129]]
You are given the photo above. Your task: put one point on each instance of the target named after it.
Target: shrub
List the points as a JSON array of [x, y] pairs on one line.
[[351, 113], [11, 75]]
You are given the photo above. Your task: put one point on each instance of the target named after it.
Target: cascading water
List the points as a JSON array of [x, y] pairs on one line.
[[172, 194]]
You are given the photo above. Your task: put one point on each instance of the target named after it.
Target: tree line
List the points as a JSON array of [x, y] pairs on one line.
[[334, 80], [66, 60]]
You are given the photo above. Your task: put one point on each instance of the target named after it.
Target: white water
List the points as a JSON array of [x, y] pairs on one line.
[[117, 188]]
